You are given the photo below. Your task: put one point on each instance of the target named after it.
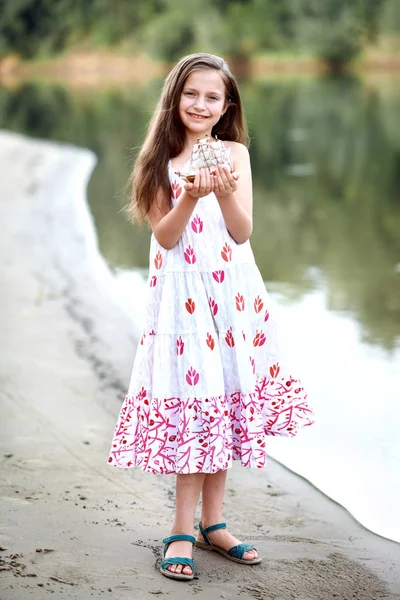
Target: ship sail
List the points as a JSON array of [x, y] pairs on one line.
[[207, 152]]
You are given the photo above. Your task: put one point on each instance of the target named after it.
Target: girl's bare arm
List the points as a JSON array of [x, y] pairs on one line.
[[235, 194], [167, 224]]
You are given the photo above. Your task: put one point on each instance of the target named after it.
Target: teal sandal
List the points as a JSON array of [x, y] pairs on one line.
[[235, 553], [166, 562]]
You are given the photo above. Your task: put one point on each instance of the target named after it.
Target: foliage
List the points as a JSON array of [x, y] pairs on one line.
[[170, 32], [334, 30], [389, 21], [31, 27]]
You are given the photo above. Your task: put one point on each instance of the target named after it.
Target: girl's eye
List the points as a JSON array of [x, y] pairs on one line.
[[214, 98], [189, 93]]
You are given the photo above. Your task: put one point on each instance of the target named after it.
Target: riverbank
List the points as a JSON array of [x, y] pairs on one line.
[[102, 69], [109, 68], [72, 525]]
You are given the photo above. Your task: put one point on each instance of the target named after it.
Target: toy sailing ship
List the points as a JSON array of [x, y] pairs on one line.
[[207, 152]]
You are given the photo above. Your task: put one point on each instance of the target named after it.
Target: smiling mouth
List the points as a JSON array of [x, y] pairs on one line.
[[199, 117]]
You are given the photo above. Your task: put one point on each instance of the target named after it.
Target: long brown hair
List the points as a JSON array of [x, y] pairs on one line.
[[166, 133]]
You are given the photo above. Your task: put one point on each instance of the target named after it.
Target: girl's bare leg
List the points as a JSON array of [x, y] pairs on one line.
[[211, 512], [188, 488]]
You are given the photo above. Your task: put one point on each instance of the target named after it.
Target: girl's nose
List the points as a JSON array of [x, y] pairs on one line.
[[199, 104]]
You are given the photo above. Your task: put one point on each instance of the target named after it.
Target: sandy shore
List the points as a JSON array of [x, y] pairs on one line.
[[72, 526]]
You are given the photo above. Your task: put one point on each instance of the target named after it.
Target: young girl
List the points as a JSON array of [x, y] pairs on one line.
[[207, 386]]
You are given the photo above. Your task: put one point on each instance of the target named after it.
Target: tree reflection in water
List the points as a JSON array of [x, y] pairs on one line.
[[326, 169]]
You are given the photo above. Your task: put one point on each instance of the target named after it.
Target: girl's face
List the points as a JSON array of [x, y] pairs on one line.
[[202, 102]]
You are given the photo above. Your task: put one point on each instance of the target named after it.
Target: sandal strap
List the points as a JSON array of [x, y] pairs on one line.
[[239, 550], [179, 537], [206, 530], [178, 561]]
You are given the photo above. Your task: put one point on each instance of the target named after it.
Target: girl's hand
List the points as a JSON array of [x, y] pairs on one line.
[[225, 182], [202, 186]]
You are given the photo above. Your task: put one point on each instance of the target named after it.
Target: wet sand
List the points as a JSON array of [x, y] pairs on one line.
[[73, 527]]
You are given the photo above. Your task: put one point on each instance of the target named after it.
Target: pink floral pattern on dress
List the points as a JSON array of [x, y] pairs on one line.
[[259, 339], [226, 252], [210, 341], [158, 260], [190, 306], [197, 224], [192, 377], [176, 190], [230, 340], [209, 382], [213, 306], [239, 302], [155, 434], [180, 346], [190, 256], [219, 276], [258, 304]]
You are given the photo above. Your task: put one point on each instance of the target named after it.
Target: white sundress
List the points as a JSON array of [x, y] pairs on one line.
[[207, 385]]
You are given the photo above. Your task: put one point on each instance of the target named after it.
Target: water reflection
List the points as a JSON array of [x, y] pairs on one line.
[[326, 162]]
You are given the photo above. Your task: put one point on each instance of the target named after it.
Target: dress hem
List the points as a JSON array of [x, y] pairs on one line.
[[145, 469]]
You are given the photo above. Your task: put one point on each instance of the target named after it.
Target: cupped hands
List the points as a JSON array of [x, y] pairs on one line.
[[221, 181], [225, 182]]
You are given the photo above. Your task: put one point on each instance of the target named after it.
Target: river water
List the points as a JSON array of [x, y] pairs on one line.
[[326, 166]]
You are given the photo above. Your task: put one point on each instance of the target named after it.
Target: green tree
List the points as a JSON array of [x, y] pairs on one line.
[[246, 29], [27, 24], [389, 21], [174, 31], [31, 27], [370, 12], [332, 29]]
